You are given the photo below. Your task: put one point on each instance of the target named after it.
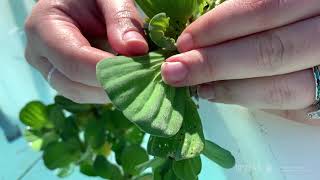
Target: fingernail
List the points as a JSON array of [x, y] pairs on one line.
[[136, 44], [185, 42], [174, 72], [206, 91]]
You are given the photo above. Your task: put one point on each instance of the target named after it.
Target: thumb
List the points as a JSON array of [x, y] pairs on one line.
[[124, 27]]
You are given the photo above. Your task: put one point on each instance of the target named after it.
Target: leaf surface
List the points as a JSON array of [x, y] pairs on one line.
[[219, 155]]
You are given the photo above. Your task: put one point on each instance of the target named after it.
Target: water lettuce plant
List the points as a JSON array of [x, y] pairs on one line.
[[84, 135]]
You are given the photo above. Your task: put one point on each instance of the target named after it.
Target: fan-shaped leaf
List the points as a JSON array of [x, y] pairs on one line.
[[135, 87], [187, 143], [34, 114]]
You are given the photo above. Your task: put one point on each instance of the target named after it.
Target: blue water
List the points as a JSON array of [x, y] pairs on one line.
[[20, 83]]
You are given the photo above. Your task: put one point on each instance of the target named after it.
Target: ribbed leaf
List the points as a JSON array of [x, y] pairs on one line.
[[187, 143], [157, 28], [34, 114], [135, 87]]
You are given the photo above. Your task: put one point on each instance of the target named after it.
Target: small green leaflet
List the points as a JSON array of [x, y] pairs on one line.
[[187, 143], [34, 114], [219, 155], [132, 156], [105, 169], [157, 31], [135, 86]]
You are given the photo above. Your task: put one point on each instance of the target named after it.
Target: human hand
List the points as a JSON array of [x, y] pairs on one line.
[[59, 34], [256, 53]]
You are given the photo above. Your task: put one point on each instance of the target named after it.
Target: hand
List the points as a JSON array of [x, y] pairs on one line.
[[59, 34], [256, 53]]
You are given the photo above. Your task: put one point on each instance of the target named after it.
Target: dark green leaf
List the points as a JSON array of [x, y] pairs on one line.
[[219, 155], [160, 171], [71, 106], [170, 175], [34, 114], [187, 143], [105, 169], [60, 154], [87, 169], [95, 134], [158, 26], [135, 87], [187, 169], [131, 157]]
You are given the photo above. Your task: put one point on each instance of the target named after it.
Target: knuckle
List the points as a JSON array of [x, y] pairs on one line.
[[279, 93], [270, 52]]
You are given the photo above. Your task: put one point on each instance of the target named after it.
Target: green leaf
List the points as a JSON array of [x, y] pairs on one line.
[[131, 157], [136, 88], [170, 175], [60, 154], [157, 31], [105, 169], [87, 169], [34, 141], [66, 171], [187, 143], [133, 135], [187, 169], [95, 134], [71, 106], [153, 163], [34, 114], [160, 171], [177, 9], [219, 155]]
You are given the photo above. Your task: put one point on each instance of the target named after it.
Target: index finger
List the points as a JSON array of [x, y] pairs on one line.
[[237, 18]]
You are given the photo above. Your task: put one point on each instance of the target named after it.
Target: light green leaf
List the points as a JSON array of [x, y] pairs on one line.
[[158, 26], [60, 154], [187, 143], [34, 141], [136, 88], [219, 155], [105, 169], [71, 106], [187, 169], [34, 114], [131, 157], [177, 9]]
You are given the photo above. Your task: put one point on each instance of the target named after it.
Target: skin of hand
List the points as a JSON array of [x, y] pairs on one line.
[[255, 53], [60, 35]]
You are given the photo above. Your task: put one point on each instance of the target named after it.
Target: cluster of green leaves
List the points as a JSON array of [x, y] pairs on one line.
[[84, 135]]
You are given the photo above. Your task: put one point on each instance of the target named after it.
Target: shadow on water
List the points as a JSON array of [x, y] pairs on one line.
[[20, 8]]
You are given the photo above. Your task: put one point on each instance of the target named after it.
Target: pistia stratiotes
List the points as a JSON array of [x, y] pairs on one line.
[[142, 103]]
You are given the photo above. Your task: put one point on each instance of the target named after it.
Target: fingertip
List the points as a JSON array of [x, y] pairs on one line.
[[135, 43], [185, 42], [174, 73]]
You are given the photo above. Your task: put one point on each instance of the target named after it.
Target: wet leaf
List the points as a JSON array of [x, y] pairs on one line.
[[219, 155], [34, 114], [136, 88], [187, 143]]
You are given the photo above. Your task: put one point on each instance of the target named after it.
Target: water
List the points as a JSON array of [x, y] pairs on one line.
[[20, 83]]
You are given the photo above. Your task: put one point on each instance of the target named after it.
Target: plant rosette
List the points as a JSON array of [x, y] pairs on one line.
[[84, 135]]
